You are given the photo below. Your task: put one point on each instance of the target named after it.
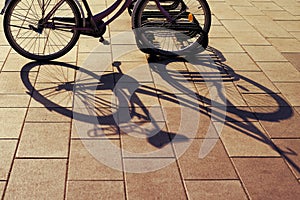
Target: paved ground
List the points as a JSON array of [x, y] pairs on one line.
[[255, 44]]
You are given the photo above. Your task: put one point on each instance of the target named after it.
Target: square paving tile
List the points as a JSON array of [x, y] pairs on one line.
[[82, 190], [11, 120], [264, 53], [267, 178], [7, 151], [215, 165], [250, 38], [86, 166], [246, 139], [294, 58], [164, 183], [223, 10], [2, 186], [239, 62], [285, 45], [14, 101], [95, 62], [233, 114], [15, 62], [44, 140], [4, 52], [37, 179], [225, 189], [290, 148], [280, 71], [273, 100], [228, 45], [55, 114], [254, 82], [279, 122], [290, 25], [11, 82], [291, 91]]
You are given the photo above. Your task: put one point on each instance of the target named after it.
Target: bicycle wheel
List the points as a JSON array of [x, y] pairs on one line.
[[156, 35], [37, 40]]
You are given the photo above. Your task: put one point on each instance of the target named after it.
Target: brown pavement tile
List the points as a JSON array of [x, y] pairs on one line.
[[279, 122], [215, 21], [267, 178], [290, 148], [264, 53], [2, 186], [189, 124], [82, 190], [296, 34], [95, 62], [215, 165], [127, 53], [280, 15], [14, 101], [247, 10], [223, 11], [7, 151], [291, 8], [297, 108], [286, 45], [267, 27], [290, 25], [293, 58], [235, 114], [164, 183], [224, 189], [11, 121], [56, 73], [37, 179], [291, 91], [249, 38], [44, 140], [254, 82], [246, 139], [4, 52], [146, 142], [11, 83], [266, 5], [48, 115], [84, 166], [239, 62], [280, 71], [219, 31], [237, 25], [15, 62], [227, 45], [273, 100], [238, 2], [180, 100]]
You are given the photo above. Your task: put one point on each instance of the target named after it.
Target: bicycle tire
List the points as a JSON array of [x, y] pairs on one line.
[[21, 29], [155, 35]]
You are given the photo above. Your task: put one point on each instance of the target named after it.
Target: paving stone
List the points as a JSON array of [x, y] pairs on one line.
[[57, 73], [296, 34], [219, 31], [289, 25], [225, 189], [95, 62], [187, 124], [280, 15], [11, 83], [239, 62], [267, 27], [294, 58], [249, 38], [267, 178], [160, 183], [246, 139], [223, 11], [146, 140], [285, 45], [280, 71], [292, 8], [7, 151], [2, 186], [237, 25], [15, 62], [266, 6], [87, 45], [84, 166], [127, 53], [48, 115], [11, 120], [236, 114], [291, 92], [264, 53], [226, 45], [238, 2], [279, 122], [95, 190], [44, 140], [4, 52], [215, 165], [37, 179], [14, 101], [247, 10], [272, 100], [290, 148], [254, 82]]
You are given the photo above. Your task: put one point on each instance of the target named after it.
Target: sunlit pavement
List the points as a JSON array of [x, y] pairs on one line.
[[46, 152]]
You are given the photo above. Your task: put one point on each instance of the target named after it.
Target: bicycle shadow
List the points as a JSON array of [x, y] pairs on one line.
[[159, 137]]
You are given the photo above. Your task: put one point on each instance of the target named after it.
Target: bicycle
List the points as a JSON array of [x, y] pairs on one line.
[[48, 29]]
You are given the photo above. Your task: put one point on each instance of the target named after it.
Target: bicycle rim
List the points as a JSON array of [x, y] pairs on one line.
[[162, 37], [21, 26]]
